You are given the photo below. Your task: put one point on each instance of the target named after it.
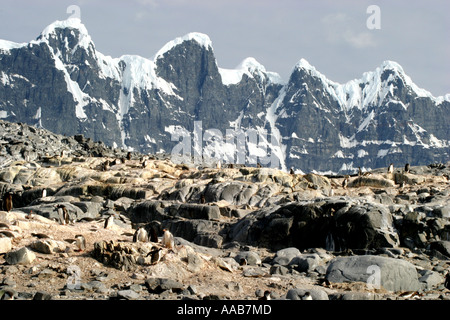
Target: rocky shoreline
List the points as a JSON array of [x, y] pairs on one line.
[[239, 232]]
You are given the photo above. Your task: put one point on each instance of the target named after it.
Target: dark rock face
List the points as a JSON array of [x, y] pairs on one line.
[[336, 226], [61, 83]]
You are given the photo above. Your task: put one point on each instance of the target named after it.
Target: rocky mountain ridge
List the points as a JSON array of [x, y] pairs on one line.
[[62, 83]]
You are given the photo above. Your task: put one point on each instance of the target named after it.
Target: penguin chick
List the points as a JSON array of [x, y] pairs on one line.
[[167, 239], [155, 255]]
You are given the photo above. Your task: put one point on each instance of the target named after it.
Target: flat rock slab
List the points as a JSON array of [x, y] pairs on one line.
[[392, 274]]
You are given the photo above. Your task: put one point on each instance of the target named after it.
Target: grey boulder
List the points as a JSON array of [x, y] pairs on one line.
[[392, 274]]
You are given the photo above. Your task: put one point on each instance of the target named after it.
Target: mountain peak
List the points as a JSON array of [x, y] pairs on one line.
[[71, 23], [201, 38], [392, 65], [51, 31]]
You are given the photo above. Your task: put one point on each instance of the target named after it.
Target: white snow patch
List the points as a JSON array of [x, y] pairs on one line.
[[345, 142], [382, 153], [362, 153], [338, 154], [3, 114], [4, 79], [251, 68], [236, 124], [81, 98], [366, 122], [280, 149]]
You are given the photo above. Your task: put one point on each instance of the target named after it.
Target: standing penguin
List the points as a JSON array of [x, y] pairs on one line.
[[391, 168], [292, 171], [407, 168], [345, 183], [202, 199], [129, 156], [109, 222], [80, 242], [7, 202], [447, 281], [63, 214], [153, 235], [106, 165], [359, 172], [167, 239], [44, 193], [140, 235]]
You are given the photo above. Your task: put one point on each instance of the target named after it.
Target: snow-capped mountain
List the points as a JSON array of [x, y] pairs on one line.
[[62, 83]]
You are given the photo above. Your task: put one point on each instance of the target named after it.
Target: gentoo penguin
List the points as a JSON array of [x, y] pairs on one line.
[[129, 156], [292, 171], [30, 215], [44, 193], [144, 163], [80, 242], [345, 183], [109, 222], [391, 168], [307, 296], [359, 172], [407, 168], [63, 214], [202, 199], [7, 202], [58, 209], [258, 165], [409, 294], [8, 294], [105, 166], [447, 281], [140, 235], [266, 296], [167, 239], [155, 255], [218, 165], [153, 235]]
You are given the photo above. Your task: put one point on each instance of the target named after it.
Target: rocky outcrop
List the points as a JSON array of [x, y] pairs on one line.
[[238, 232], [334, 225]]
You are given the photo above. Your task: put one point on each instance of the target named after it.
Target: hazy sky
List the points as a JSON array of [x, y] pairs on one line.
[[332, 35]]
